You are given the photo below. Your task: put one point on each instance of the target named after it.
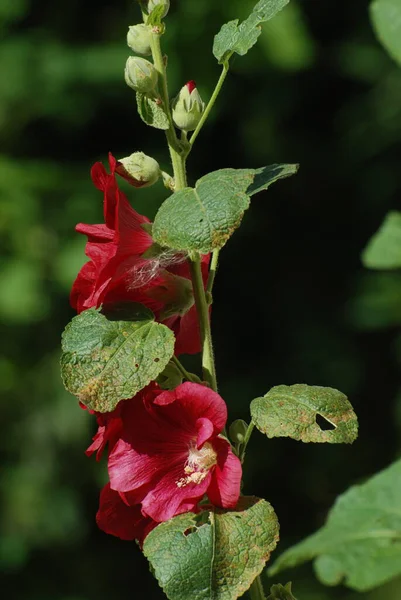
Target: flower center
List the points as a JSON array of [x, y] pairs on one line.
[[198, 464]]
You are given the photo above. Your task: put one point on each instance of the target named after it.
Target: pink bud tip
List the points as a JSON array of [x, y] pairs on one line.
[[191, 85]]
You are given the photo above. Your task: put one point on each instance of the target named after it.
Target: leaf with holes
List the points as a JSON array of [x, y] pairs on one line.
[[386, 19], [214, 555], [106, 360], [293, 411], [203, 218], [240, 38], [384, 248], [360, 544], [151, 112]]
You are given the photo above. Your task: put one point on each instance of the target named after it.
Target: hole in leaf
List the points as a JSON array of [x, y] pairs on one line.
[[156, 359], [324, 424], [136, 366], [189, 531]]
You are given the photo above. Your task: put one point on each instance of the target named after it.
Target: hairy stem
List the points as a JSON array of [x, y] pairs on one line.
[[177, 159], [208, 367], [189, 376], [247, 437], [210, 105], [213, 269], [256, 591]]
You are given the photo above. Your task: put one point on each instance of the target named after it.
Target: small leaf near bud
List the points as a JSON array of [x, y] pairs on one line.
[[140, 74], [152, 4], [188, 107], [237, 431], [139, 169], [138, 39]]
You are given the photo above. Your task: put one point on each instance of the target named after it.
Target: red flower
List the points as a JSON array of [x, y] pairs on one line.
[[118, 518], [169, 454], [118, 271]]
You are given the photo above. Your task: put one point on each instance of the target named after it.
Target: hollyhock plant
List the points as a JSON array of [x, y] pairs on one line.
[[166, 451], [174, 473], [120, 270]]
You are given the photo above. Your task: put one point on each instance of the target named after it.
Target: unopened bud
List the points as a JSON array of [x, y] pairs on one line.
[[153, 3], [139, 169], [188, 107], [138, 39], [140, 74], [237, 431]]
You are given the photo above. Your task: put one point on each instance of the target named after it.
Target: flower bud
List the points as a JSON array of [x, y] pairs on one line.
[[140, 74], [138, 39], [237, 431], [139, 169], [153, 3], [188, 107]]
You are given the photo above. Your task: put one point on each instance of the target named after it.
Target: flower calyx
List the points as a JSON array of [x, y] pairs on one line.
[[188, 107], [140, 74], [163, 4], [139, 169]]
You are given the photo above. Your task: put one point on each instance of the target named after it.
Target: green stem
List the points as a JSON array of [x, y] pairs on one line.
[[209, 371], [189, 376], [212, 273], [256, 591], [177, 159], [210, 105], [247, 437]]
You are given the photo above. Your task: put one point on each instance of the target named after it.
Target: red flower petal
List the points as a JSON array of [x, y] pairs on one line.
[[116, 518], [197, 401], [224, 489]]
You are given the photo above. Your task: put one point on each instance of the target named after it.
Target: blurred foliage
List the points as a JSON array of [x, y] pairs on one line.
[[292, 302]]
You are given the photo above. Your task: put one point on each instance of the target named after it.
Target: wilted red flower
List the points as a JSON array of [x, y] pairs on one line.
[[170, 454], [120, 271], [117, 518]]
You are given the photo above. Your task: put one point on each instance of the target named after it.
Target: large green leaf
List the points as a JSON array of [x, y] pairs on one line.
[[240, 38], [204, 217], [292, 411], [360, 545], [108, 359], [213, 556], [384, 248], [386, 19]]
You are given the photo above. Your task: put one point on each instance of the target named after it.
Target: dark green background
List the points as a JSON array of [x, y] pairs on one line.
[[292, 300]]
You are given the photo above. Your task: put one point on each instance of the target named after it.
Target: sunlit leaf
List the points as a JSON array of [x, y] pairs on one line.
[[213, 556], [293, 411]]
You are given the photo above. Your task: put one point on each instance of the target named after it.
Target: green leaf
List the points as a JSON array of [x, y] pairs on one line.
[[151, 112], [215, 555], [281, 592], [386, 19], [292, 411], [204, 217], [156, 16], [106, 360], [384, 248], [360, 545], [240, 38]]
